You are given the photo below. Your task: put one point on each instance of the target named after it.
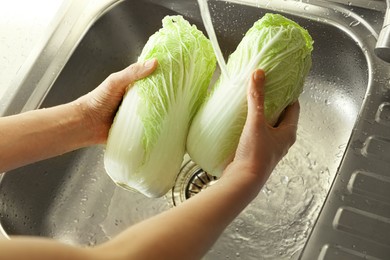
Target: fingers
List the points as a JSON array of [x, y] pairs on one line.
[[289, 124], [256, 97], [291, 115], [133, 73]]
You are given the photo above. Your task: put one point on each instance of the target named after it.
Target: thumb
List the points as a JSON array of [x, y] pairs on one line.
[[132, 73], [137, 71], [255, 116], [256, 98]]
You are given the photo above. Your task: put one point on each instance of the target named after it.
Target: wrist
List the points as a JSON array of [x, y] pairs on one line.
[[246, 177], [98, 117], [84, 122]]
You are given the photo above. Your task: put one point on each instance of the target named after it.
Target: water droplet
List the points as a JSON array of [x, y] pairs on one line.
[[354, 23], [284, 180]]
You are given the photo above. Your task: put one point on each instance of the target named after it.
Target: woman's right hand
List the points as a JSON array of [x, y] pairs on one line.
[[261, 145]]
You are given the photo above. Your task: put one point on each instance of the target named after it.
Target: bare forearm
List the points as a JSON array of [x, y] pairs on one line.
[[40, 134], [23, 248], [189, 230], [185, 232]]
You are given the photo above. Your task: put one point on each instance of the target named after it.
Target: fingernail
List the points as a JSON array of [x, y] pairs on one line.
[[258, 75], [149, 63]]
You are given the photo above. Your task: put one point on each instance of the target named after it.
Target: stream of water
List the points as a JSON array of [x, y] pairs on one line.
[[208, 24]]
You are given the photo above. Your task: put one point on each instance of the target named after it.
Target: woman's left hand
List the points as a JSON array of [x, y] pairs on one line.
[[100, 105]]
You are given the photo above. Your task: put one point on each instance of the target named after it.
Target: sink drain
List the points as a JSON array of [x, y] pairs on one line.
[[190, 181]]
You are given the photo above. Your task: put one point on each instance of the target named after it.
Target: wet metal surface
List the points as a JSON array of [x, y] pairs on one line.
[[72, 199]]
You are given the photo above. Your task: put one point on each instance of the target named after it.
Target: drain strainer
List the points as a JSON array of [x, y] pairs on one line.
[[190, 181]]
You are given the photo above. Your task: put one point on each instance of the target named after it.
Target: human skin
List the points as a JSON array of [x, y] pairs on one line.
[[44, 133], [164, 236]]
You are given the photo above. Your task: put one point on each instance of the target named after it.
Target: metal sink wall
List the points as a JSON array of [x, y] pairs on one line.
[[70, 197]]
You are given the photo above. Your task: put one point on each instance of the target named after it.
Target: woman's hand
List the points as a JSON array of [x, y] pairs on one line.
[[100, 105], [261, 145], [43, 133]]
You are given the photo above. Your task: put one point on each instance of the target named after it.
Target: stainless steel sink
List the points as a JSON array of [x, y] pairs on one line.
[[71, 198]]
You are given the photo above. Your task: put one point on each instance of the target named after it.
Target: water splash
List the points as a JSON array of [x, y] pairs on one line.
[[277, 223]]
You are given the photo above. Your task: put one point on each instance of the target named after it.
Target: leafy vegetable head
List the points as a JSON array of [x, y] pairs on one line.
[[282, 49], [146, 143], [186, 64]]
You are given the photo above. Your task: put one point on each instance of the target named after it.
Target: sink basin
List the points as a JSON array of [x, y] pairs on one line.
[[72, 199]]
